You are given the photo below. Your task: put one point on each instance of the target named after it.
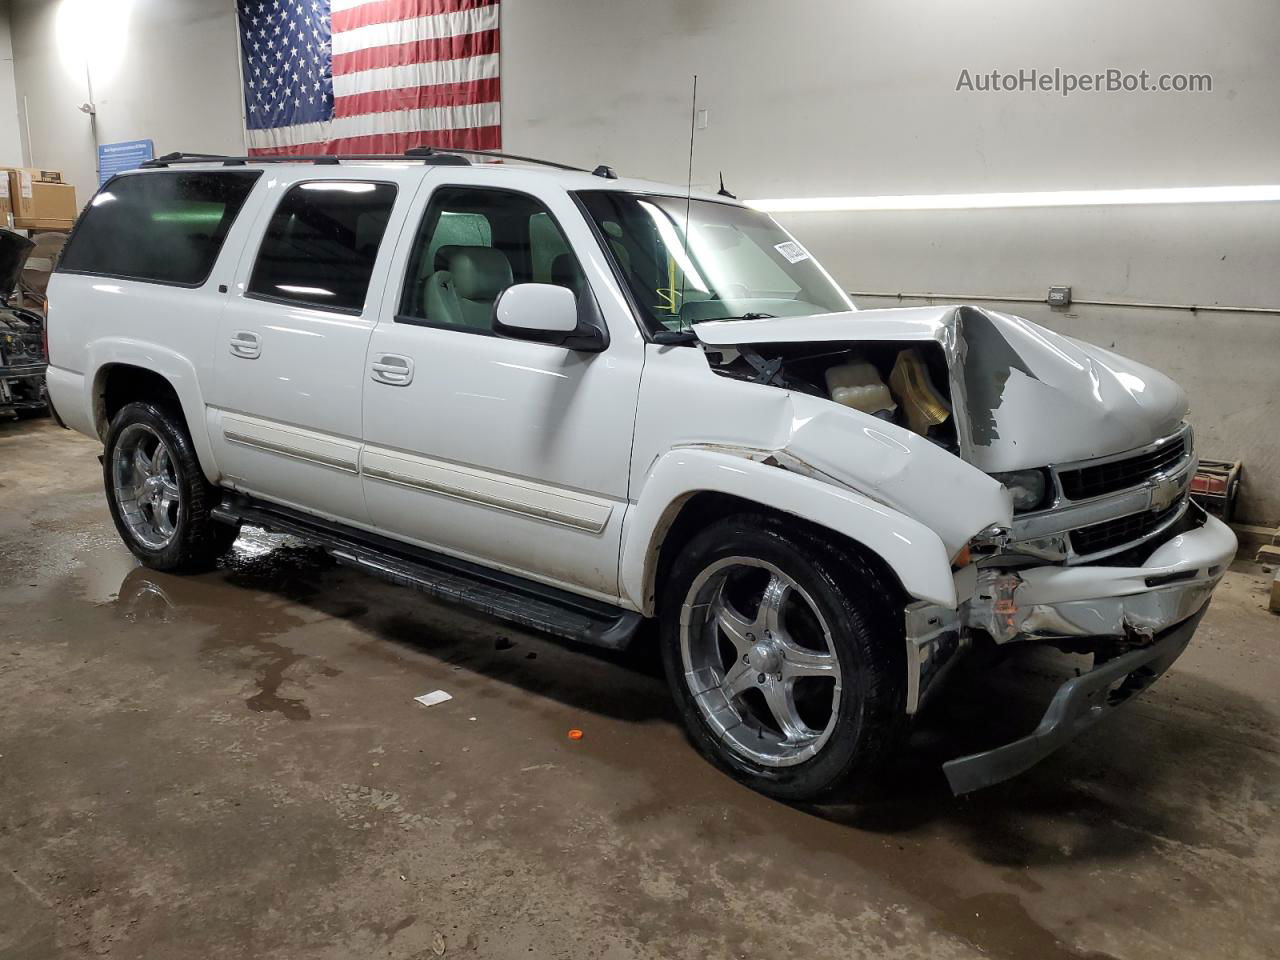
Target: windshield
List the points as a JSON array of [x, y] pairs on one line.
[[731, 262]]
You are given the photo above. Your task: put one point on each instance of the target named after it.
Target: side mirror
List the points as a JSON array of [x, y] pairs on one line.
[[546, 313]]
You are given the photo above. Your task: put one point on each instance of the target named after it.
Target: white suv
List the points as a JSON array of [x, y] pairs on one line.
[[576, 402]]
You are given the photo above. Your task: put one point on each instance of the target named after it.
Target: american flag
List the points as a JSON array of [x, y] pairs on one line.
[[369, 76]]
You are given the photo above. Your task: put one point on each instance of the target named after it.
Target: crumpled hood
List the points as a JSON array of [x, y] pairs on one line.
[[1024, 396]]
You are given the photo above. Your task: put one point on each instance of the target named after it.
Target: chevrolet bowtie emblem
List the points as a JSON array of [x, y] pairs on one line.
[[1165, 492]]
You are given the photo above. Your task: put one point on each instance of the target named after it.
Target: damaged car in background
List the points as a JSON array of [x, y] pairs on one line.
[[577, 401], [23, 356]]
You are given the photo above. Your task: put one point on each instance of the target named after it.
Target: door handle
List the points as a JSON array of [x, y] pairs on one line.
[[392, 369], [246, 345]]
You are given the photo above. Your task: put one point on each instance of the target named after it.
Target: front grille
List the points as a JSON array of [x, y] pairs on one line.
[[1119, 532], [1082, 483]]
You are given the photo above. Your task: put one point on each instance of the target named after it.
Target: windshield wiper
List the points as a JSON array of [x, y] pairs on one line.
[[741, 316], [687, 335]]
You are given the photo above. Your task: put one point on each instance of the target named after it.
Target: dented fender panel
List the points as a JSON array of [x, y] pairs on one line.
[[900, 469], [913, 551]]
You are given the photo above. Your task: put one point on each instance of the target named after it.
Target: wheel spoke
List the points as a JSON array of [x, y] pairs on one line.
[[779, 695], [772, 603], [739, 630], [160, 515], [169, 487], [142, 464], [160, 462], [738, 679], [798, 661]]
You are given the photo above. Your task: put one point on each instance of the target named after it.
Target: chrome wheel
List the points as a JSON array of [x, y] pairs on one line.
[[145, 482], [760, 662]]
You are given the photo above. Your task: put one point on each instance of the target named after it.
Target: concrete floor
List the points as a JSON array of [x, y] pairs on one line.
[[232, 765]]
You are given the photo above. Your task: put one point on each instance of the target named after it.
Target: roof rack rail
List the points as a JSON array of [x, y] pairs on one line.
[[443, 156]]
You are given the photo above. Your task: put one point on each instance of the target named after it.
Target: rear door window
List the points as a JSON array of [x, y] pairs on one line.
[[321, 244], [162, 227]]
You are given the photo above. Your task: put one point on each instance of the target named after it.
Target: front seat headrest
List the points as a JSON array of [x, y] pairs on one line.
[[479, 273]]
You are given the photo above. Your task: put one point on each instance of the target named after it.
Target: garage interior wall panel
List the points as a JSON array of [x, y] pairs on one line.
[[10, 130]]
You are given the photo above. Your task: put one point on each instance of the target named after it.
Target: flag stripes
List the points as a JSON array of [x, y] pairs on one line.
[[394, 74]]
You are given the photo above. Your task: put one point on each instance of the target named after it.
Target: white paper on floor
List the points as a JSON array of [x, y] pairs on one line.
[[434, 697]]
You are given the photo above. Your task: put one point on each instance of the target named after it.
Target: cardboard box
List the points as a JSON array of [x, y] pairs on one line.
[[39, 200], [6, 208]]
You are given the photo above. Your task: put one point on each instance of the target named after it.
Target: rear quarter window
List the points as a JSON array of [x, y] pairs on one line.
[[163, 227]]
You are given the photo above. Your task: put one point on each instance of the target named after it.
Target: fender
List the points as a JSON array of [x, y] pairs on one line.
[[898, 468], [174, 367], [914, 552]]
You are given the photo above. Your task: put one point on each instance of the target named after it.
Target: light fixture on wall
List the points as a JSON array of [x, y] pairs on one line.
[[93, 35], [92, 39], [1044, 198]]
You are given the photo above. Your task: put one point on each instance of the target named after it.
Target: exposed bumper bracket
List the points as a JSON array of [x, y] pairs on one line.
[[934, 644], [1078, 704]]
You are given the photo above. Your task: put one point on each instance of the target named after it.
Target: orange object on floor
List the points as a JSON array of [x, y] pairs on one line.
[[575, 734]]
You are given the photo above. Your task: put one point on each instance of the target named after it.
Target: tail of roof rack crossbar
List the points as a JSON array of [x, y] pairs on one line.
[[445, 156]]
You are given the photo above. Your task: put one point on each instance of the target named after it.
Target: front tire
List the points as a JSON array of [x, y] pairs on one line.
[[786, 658], [159, 498]]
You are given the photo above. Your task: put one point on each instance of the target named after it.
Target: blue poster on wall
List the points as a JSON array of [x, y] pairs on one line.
[[114, 158]]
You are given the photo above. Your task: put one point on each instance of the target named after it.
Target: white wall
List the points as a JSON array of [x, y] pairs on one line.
[[176, 82], [10, 138], [857, 97], [823, 97]]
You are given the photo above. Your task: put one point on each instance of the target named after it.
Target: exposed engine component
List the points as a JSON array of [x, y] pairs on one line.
[[925, 407], [903, 383], [857, 384], [23, 359]]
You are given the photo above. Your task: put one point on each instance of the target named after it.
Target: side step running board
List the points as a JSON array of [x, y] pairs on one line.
[[502, 595]]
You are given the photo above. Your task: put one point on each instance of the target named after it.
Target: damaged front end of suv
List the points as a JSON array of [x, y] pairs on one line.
[[1055, 473], [23, 354]]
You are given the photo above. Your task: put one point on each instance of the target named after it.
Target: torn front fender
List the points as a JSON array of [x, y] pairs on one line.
[[898, 468]]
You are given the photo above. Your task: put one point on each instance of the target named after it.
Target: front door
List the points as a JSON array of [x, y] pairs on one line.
[[284, 412], [511, 453]]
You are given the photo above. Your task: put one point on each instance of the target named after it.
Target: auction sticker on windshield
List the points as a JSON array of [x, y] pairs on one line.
[[792, 251]]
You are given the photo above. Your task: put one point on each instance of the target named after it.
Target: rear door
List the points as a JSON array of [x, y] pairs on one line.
[[285, 410]]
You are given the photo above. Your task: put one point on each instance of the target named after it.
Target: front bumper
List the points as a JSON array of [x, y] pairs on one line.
[[1094, 600], [1152, 610], [1078, 705]]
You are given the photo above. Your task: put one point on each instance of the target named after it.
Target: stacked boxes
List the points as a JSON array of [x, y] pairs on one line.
[[36, 199]]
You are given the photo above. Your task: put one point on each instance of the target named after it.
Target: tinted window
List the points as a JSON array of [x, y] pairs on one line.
[[472, 245], [321, 243], [163, 227]]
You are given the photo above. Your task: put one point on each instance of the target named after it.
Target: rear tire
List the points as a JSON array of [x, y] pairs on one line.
[[159, 498], [786, 658]]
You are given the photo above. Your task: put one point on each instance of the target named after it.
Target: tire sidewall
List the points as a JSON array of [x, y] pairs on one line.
[[191, 483], [854, 637]]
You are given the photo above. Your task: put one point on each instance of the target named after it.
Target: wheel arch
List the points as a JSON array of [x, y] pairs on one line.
[[128, 371], [688, 489]]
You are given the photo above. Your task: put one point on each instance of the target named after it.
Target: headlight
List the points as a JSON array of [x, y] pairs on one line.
[[1028, 487]]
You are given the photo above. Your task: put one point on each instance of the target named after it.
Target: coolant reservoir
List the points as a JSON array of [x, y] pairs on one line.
[[857, 384]]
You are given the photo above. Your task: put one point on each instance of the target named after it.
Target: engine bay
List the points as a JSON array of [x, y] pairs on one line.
[[904, 383]]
